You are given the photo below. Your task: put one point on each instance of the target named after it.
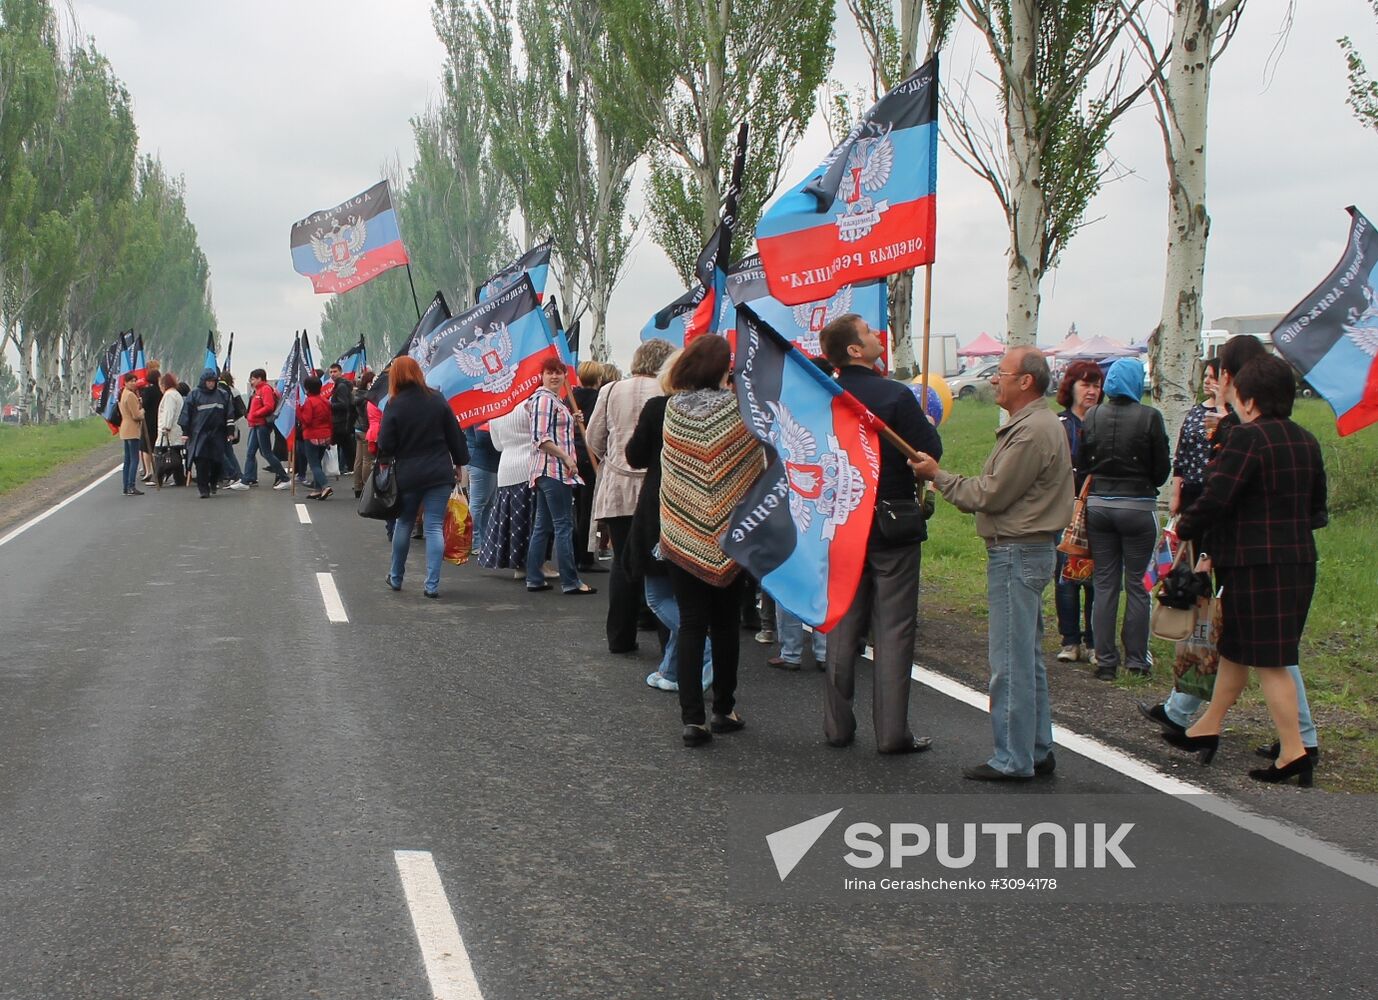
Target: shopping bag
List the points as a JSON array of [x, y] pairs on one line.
[[1197, 658], [1075, 541], [1077, 569], [459, 529], [330, 463], [1178, 596]]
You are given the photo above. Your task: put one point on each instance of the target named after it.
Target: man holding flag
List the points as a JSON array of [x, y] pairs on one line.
[[888, 592]]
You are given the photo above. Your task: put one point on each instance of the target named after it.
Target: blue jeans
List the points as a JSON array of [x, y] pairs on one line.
[[131, 463], [431, 501], [1182, 708], [315, 454], [230, 467], [554, 514], [791, 633], [261, 439], [483, 487], [1020, 717], [660, 598]]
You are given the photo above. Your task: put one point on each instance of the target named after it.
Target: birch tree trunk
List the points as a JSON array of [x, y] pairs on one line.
[[1176, 345], [1028, 206]]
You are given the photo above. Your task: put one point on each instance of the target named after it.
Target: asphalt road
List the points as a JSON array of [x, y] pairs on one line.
[[203, 782]]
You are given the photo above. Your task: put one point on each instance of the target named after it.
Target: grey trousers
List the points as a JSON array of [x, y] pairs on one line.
[[1121, 545], [886, 601]]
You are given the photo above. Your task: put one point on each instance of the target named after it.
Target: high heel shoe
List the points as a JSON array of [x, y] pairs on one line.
[[1304, 767], [1203, 746]]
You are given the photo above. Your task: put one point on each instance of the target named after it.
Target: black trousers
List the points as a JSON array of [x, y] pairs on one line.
[[207, 473], [583, 517], [626, 593], [706, 610], [345, 440]]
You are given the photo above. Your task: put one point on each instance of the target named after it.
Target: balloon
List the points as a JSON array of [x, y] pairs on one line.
[[938, 405]]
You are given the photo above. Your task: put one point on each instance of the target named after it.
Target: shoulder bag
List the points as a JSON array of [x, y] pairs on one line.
[[1074, 539], [380, 499]]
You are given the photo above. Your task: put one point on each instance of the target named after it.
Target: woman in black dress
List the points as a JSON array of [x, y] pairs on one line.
[[1264, 494]]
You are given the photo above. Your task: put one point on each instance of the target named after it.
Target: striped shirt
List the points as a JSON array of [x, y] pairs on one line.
[[551, 421]]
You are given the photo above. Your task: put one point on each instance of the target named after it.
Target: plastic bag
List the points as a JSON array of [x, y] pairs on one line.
[[330, 463], [1197, 659], [459, 529]]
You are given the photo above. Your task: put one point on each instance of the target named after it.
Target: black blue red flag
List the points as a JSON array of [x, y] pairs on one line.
[[668, 323], [210, 361], [290, 391], [801, 324], [229, 351], [437, 313], [488, 359], [535, 264], [354, 360], [802, 528], [1331, 337], [124, 367], [868, 210], [342, 247]]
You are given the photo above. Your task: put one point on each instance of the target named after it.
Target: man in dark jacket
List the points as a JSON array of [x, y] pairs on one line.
[[888, 594], [342, 417], [203, 420]]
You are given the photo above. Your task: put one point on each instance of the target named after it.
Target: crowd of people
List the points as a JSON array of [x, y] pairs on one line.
[[647, 470]]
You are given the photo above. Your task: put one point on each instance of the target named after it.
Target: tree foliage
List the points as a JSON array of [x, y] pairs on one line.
[[700, 68], [93, 240], [1363, 89]]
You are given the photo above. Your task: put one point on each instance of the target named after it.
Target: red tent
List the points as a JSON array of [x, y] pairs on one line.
[[984, 346]]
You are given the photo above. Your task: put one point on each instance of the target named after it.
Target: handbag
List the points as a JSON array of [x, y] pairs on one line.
[[1197, 657], [1075, 541], [380, 499], [901, 522], [1178, 596]]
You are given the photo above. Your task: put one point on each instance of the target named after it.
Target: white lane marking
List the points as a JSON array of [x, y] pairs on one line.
[[442, 949], [58, 506], [1277, 831], [334, 607], [303, 515]]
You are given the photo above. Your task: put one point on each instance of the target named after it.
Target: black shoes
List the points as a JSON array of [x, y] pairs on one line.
[[1046, 766], [392, 584], [133, 491], [695, 736], [1303, 769], [984, 772], [725, 723], [920, 744], [1157, 713], [1203, 746], [1271, 752], [1106, 673]]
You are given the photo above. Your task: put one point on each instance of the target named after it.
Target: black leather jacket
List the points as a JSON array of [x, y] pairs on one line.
[[1124, 448]]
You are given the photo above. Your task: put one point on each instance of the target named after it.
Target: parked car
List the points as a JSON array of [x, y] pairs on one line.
[[967, 384]]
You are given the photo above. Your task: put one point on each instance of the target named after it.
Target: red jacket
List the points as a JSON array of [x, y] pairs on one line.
[[313, 416], [262, 404]]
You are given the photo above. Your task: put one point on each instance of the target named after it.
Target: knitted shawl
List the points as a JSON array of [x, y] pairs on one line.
[[709, 462]]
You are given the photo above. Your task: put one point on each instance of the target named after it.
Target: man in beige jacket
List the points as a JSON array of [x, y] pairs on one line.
[[1021, 500]]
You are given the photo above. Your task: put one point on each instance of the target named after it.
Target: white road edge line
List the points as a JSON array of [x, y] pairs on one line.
[[334, 607], [303, 515], [442, 949], [1277, 831], [58, 506]]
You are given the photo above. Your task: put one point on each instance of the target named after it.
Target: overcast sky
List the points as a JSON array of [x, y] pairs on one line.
[[271, 110]]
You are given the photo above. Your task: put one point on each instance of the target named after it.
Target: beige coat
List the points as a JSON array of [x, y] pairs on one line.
[[131, 415], [610, 428]]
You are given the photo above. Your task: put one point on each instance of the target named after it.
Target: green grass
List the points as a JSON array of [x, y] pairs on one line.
[[32, 451], [1340, 646]]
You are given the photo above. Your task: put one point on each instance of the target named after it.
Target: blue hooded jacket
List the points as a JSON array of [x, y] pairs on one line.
[[1125, 378]]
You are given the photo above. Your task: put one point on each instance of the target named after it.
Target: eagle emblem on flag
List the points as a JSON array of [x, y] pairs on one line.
[[487, 358], [823, 485], [870, 162], [1362, 327], [811, 317], [337, 248]]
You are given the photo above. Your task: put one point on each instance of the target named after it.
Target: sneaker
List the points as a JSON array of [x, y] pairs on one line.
[[766, 636], [665, 684], [251, 483], [236, 485], [1091, 657], [1069, 654], [286, 484]]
